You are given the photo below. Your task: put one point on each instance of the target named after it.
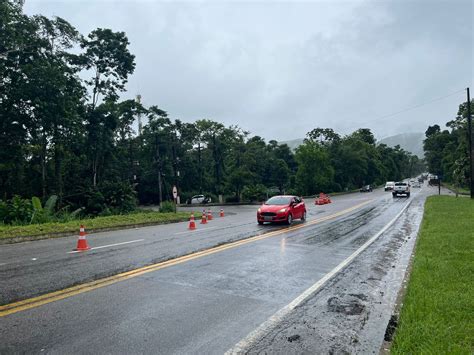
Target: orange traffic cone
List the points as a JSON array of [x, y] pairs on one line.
[[82, 241], [192, 224], [203, 218], [209, 215], [221, 213]]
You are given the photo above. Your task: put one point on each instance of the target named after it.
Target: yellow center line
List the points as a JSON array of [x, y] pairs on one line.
[[89, 286]]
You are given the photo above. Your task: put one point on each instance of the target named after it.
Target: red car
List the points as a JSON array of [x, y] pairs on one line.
[[282, 209]]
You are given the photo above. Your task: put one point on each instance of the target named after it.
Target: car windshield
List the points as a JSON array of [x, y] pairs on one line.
[[400, 184], [279, 200]]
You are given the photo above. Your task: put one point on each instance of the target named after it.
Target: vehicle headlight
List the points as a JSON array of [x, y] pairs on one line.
[[282, 210], [259, 210]]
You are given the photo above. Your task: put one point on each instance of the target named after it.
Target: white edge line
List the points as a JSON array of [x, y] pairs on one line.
[[106, 246], [242, 346]]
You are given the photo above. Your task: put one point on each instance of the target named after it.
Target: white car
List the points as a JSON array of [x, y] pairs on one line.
[[198, 199], [401, 188], [389, 185]]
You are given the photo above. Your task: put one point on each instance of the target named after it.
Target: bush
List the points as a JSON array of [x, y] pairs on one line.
[[16, 211], [106, 199], [167, 206], [293, 192], [232, 199], [119, 196], [254, 192]]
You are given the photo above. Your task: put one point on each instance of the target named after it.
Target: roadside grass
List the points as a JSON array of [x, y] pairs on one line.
[[437, 316], [460, 190], [57, 229]]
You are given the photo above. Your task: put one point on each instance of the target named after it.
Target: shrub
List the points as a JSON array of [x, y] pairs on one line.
[[119, 196], [254, 192], [167, 206], [232, 199], [16, 211], [106, 199]]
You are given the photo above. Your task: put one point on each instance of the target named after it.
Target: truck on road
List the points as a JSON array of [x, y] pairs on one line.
[[401, 188]]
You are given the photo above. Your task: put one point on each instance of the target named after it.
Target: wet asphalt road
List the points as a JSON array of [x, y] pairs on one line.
[[33, 268], [205, 305]]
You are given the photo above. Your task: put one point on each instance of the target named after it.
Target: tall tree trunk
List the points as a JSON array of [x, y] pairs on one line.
[[58, 164], [43, 164], [95, 163], [158, 160]]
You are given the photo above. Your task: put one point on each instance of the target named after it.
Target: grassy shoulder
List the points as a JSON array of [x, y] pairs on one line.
[[460, 190], [437, 313], [91, 224]]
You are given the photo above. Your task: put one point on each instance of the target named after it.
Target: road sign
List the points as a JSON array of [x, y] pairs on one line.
[[175, 192]]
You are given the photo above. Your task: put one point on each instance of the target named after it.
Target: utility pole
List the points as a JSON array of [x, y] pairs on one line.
[[158, 160], [469, 132], [200, 167], [139, 101]]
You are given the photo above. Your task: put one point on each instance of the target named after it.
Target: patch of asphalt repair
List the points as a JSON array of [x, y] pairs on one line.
[[351, 313]]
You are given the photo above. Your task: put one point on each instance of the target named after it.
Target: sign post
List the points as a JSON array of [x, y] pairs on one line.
[[175, 197]]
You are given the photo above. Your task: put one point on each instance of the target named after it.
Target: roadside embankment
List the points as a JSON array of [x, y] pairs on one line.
[[437, 313]]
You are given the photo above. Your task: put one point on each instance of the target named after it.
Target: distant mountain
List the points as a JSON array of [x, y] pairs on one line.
[[293, 144], [411, 142]]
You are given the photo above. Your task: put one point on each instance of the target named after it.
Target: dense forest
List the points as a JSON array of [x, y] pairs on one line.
[[66, 131], [447, 151]]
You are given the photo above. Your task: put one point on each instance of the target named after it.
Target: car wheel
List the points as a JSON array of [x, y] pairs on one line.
[[303, 217], [289, 219], [408, 195], [260, 222], [394, 195]]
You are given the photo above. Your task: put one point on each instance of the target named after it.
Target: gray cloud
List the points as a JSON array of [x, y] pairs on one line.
[[280, 69]]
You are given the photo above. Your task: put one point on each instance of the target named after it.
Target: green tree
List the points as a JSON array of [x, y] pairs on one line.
[[315, 172]]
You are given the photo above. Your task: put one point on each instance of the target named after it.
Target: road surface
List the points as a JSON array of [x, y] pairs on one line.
[[165, 289]]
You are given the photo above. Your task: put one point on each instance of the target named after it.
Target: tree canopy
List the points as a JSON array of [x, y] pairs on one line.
[[66, 130]]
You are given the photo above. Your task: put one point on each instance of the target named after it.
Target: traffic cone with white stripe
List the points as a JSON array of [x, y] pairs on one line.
[[209, 215], [221, 213], [192, 223], [82, 241], [204, 218]]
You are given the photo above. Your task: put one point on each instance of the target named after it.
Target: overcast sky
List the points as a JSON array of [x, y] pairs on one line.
[[280, 69]]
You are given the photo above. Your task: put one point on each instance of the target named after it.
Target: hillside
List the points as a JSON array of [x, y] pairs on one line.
[[412, 142]]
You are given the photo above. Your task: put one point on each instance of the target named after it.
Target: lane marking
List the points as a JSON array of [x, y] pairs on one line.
[[106, 246], [243, 346], [1, 264], [89, 286]]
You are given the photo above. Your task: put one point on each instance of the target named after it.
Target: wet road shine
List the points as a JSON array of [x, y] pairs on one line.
[[202, 302]]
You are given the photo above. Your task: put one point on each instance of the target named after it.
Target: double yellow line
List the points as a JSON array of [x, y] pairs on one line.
[[89, 286]]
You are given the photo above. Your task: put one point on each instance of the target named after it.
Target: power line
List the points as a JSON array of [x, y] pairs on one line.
[[414, 107]]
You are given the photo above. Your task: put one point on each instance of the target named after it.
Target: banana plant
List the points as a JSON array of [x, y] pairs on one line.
[[40, 213]]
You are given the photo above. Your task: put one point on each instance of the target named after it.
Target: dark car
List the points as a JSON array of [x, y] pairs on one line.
[[366, 188], [283, 208]]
